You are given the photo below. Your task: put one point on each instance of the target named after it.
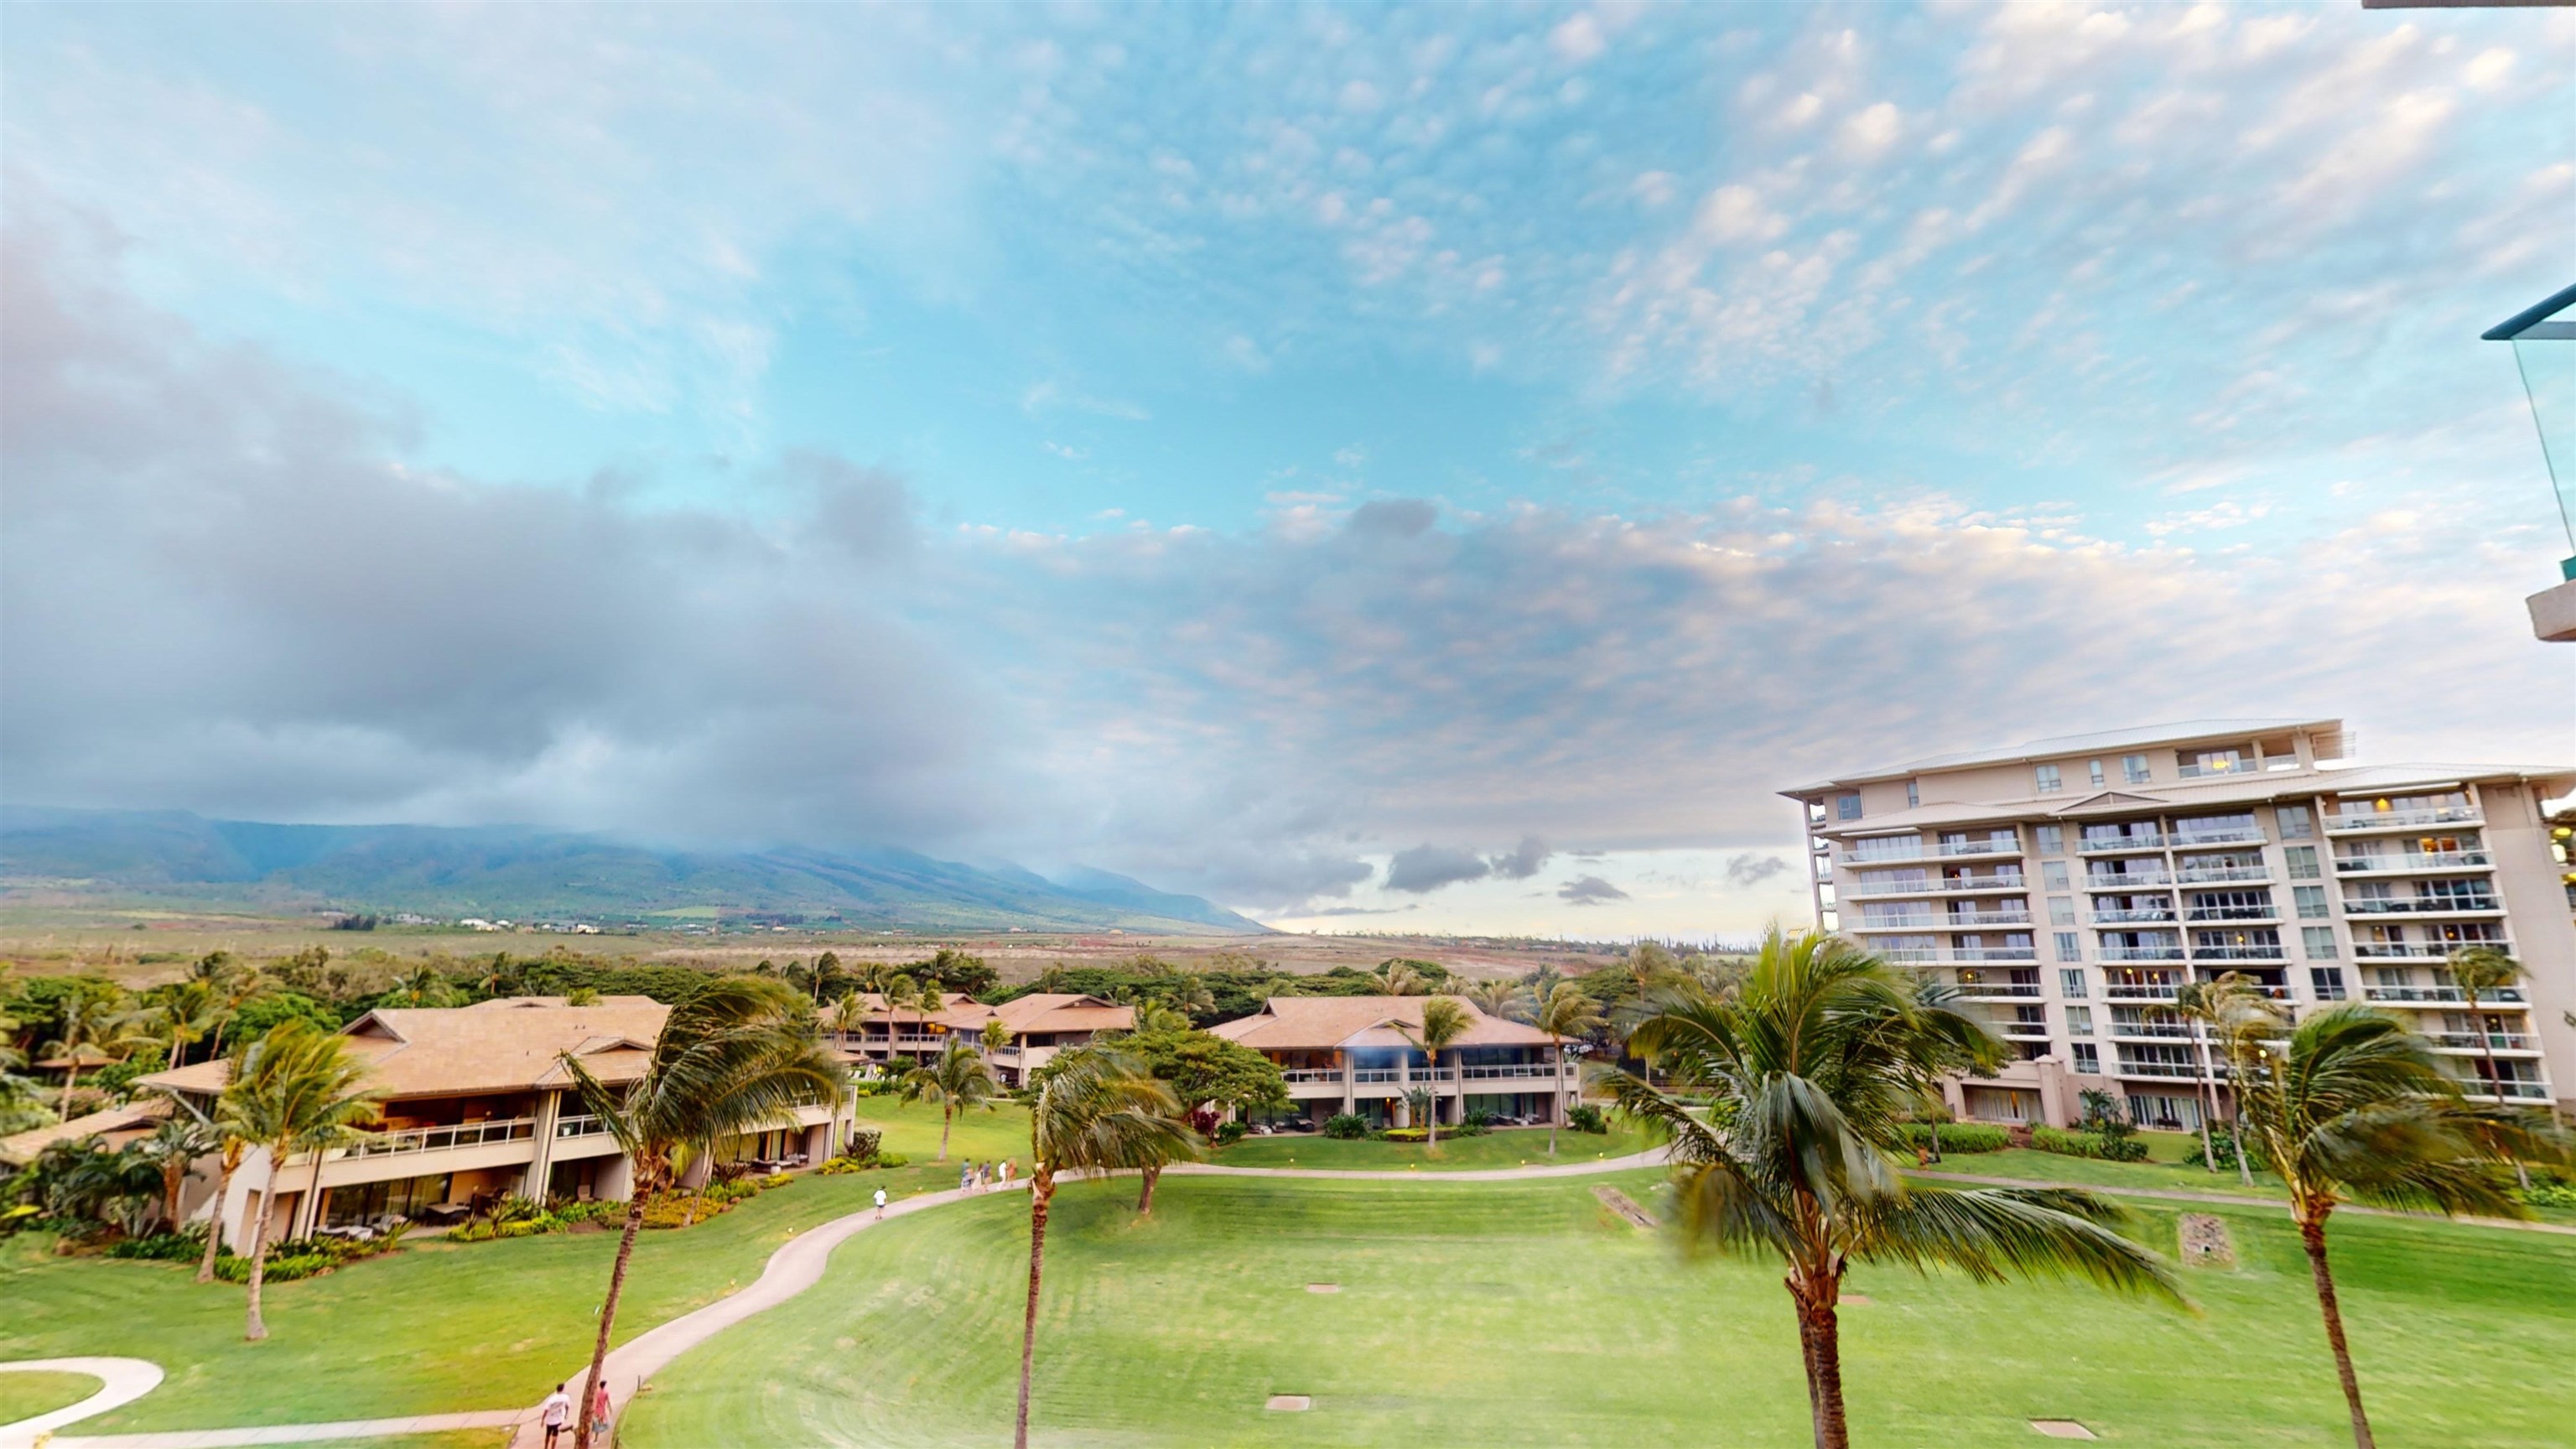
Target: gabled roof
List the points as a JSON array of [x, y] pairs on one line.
[[1042, 1011], [507, 1045], [2187, 732], [1325, 1023], [113, 1126]]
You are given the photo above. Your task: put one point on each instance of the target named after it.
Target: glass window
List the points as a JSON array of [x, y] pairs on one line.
[[2049, 780], [2088, 1058], [2068, 947], [1913, 797], [2079, 1021], [2093, 770], [1848, 807], [2061, 910], [2312, 902], [2303, 862], [2327, 982], [2298, 822], [2134, 767], [2052, 874], [2319, 941], [2070, 984], [2052, 839]]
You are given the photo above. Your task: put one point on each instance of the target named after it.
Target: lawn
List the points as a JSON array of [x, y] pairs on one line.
[[25, 1395], [437, 1327], [1509, 1147], [1527, 1314]]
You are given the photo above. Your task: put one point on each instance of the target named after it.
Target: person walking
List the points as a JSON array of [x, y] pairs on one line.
[[599, 1413], [966, 1177], [880, 1202], [555, 1414]]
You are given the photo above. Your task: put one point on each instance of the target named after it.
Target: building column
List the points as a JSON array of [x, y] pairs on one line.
[[1350, 1097], [549, 1111]]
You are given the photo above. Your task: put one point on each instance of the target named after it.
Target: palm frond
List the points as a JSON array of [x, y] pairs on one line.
[[1993, 1234]]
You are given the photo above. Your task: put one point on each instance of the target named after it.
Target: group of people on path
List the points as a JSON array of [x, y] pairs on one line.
[[556, 1414], [972, 1178]]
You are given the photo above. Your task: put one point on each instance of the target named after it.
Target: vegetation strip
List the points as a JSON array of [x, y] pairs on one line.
[[2244, 1200]]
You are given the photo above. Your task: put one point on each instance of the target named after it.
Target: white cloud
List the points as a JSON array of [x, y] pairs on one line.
[[1577, 39]]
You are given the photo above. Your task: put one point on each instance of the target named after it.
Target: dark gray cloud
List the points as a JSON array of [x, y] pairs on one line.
[[1589, 890], [1749, 869], [1426, 868], [1525, 860]]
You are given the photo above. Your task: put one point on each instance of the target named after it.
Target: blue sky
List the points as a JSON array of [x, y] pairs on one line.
[[1238, 445]]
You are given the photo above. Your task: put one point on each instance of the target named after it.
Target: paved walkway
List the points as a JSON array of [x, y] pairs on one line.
[[2226, 1199], [296, 1433], [120, 1381]]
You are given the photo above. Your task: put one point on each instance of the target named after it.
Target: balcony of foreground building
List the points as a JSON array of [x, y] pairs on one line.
[[2425, 906], [2268, 912], [2206, 839], [2136, 915], [2363, 822], [1919, 850], [2140, 953], [2512, 1093], [2417, 950], [2122, 844], [2502, 1043], [2170, 1072], [2270, 954], [2127, 880], [2222, 874], [1945, 955], [2440, 996], [2413, 862], [1965, 884]]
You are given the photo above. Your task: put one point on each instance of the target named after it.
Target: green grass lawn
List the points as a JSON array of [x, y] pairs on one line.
[[1527, 1314], [1509, 1147], [437, 1327], [24, 1396]]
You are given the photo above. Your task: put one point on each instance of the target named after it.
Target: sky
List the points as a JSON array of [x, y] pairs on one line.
[[1419, 468]]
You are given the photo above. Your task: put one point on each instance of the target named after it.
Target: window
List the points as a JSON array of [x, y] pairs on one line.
[[2303, 862], [2088, 1058], [2297, 822], [2312, 902], [2049, 781], [2135, 768], [2052, 874], [2052, 840], [1913, 797], [2093, 769], [2070, 984], [2061, 910], [2068, 947], [1888, 847], [2079, 1021], [1847, 807], [2326, 982], [2319, 942]]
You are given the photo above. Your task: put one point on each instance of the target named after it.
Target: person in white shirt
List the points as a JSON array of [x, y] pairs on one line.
[[880, 1202], [555, 1414]]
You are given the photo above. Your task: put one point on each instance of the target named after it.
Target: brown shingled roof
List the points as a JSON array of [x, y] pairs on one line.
[[1041, 1011], [114, 1126], [1321, 1023], [503, 1045]]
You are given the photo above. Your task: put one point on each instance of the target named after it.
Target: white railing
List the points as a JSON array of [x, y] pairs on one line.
[[2443, 995], [2413, 950], [2182, 1070], [580, 1127], [2404, 819], [2123, 880], [2156, 1030], [2208, 874], [2138, 991], [2234, 835], [1295, 1075], [2422, 906], [2141, 953], [2216, 770], [1920, 955], [2470, 1041], [2103, 844], [1376, 1074], [1968, 884], [2412, 860], [1963, 919], [1897, 923], [2518, 1091], [2163, 913], [2002, 845], [434, 1139], [1510, 1072], [2019, 989]]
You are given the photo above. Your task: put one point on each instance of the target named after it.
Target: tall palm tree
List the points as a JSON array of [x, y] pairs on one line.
[[172, 1147], [1444, 1020], [185, 1012], [2355, 1106], [1563, 1012], [737, 1057], [2192, 1005], [1402, 978], [1816, 1058], [2479, 971], [2224, 1007], [1097, 1109], [849, 1017], [956, 1078], [1497, 998], [230, 1150], [296, 1088], [901, 992], [86, 1023]]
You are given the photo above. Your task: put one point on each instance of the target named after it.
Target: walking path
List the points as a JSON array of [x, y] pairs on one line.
[[2228, 1199], [120, 1381]]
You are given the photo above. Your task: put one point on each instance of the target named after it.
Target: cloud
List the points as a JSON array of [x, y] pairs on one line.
[[1577, 39], [1526, 859], [1748, 869], [1426, 868], [1589, 890]]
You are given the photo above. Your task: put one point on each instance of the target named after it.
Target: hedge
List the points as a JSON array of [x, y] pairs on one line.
[[1956, 1136]]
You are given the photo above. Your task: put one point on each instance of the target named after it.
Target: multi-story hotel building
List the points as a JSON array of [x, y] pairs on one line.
[[2069, 886]]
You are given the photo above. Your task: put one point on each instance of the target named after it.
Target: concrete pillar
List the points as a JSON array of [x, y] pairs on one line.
[[1350, 1102], [818, 1144], [548, 1112], [616, 1180]]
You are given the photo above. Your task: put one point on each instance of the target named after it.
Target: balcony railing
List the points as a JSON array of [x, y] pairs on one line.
[[2233, 835], [2414, 950], [2405, 819], [1377, 1074], [1956, 885], [580, 1127], [1509, 1072], [2152, 914], [1295, 1075], [2209, 874], [434, 1139], [2006, 845], [2443, 995], [2233, 913], [2139, 991], [2471, 1041], [1921, 955], [1899, 923], [2422, 906], [2517, 1091], [2128, 880], [1964, 919], [2412, 860], [2107, 844], [2156, 1030], [2141, 953], [2236, 953], [2184, 1071], [2015, 990]]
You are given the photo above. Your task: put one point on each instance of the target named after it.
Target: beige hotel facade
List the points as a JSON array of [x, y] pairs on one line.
[[2067, 887]]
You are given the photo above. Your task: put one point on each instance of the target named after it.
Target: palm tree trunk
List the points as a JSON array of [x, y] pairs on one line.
[[2207, 1096], [215, 1222], [608, 1310], [2313, 1235], [1145, 1199], [254, 1328], [1041, 1195], [1557, 1109], [2236, 1123], [947, 1116], [1433, 1143], [2521, 1174], [71, 1078]]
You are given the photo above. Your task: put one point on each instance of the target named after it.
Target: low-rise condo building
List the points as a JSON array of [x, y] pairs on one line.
[[475, 1104], [2070, 886], [1356, 1054], [1039, 1025]]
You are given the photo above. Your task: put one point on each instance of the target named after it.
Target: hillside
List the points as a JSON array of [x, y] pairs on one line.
[[499, 871]]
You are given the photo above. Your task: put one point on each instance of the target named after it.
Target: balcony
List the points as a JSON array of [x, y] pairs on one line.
[[2233, 913], [1897, 923], [1510, 1072], [2140, 953], [2442, 995], [2139, 991], [2149, 916], [2009, 845], [1933, 886], [1927, 955], [2424, 906], [1377, 1074], [567, 1127], [2516, 1091], [1299, 1076], [2411, 860], [2011, 916], [2236, 953], [2113, 844], [1999, 990], [2360, 821], [2182, 1071], [2218, 874], [2470, 1041], [2416, 950], [2152, 1030], [2024, 1031], [2234, 835], [435, 1139], [2101, 881]]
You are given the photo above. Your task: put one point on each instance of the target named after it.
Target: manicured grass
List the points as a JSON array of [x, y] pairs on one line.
[[2033, 1165], [1525, 1313], [1507, 1147], [435, 1328], [24, 1396]]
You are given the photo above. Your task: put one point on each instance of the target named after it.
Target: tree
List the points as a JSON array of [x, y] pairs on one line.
[[1563, 1012], [2192, 1005], [901, 992], [172, 1147], [2481, 971], [2227, 1005], [1096, 1110], [2355, 1106], [1404, 977], [185, 1013], [1444, 1020], [88, 1023], [955, 1078], [1497, 998], [997, 1035], [849, 1017], [737, 1057], [296, 1086], [1815, 1059], [1209, 1077]]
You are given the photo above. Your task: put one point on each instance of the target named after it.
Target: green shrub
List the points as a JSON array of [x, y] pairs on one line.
[[1346, 1126], [2222, 1148], [1956, 1136], [1588, 1118], [2550, 1194], [1229, 1133], [2102, 1146], [1404, 1134]]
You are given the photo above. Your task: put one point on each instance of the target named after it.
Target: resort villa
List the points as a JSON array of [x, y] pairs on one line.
[[2069, 887], [1355, 1054], [476, 1104], [1040, 1024]]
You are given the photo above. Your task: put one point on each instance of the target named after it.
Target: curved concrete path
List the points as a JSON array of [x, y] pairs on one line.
[[120, 1381]]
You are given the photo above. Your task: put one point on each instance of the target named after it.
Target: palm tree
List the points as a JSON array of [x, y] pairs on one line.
[[955, 1078], [295, 1088], [1402, 978], [227, 1163], [2225, 1006], [1815, 1059], [737, 1057], [2192, 1004], [186, 1012], [87, 1023], [900, 992], [2478, 971], [1496, 998], [1096, 1110], [849, 1017], [1563, 1012], [1444, 1020], [176, 1143], [2355, 1106]]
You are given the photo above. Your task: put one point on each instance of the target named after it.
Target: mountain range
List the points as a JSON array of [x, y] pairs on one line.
[[447, 873]]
